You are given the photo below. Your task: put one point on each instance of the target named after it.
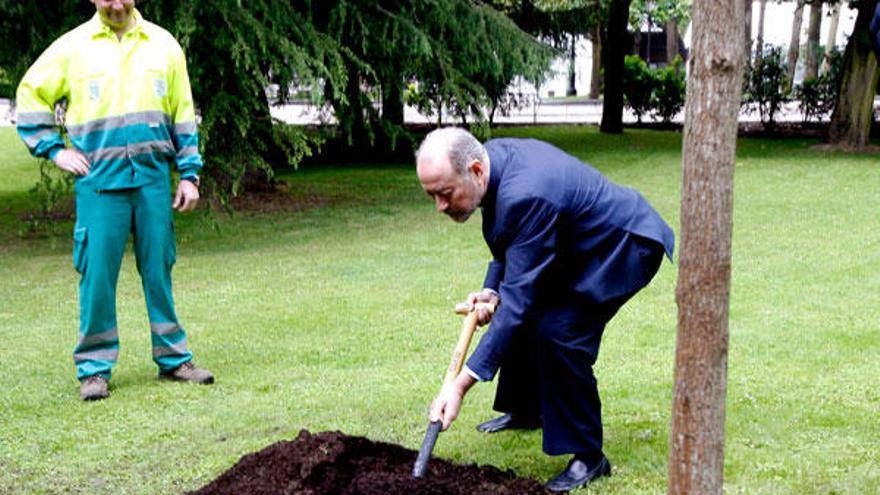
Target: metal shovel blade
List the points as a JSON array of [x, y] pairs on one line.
[[427, 446]]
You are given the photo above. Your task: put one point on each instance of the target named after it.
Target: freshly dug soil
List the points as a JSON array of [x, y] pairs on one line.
[[335, 463]]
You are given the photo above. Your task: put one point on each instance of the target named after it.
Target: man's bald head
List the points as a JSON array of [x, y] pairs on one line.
[[453, 168], [457, 145]]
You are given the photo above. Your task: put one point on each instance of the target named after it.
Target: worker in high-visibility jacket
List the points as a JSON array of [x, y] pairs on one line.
[[129, 119]]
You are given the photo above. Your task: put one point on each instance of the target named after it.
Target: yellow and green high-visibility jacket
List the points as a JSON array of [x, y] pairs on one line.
[[129, 104]]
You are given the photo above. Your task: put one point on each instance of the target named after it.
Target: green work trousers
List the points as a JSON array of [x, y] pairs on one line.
[[104, 220]]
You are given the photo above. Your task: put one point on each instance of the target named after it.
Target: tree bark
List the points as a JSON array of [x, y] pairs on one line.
[[794, 45], [614, 49], [831, 38], [596, 69], [747, 33], [853, 113], [759, 41], [696, 458], [671, 40], [571, 90], [811, 62]]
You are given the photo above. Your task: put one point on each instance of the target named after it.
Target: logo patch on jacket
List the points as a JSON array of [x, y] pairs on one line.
[[94, 90], [160, 87]]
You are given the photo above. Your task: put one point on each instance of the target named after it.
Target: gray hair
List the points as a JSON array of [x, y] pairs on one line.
[[459, 145]]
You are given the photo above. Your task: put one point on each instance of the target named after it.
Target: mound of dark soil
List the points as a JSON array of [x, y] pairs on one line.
[[335, 463]]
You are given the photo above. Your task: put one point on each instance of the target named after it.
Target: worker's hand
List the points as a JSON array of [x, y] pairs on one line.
[[187, 196], [447, 404], [73, 161], [489, 300]]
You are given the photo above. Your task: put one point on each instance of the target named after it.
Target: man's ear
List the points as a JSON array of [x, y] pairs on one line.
[[476, 167]]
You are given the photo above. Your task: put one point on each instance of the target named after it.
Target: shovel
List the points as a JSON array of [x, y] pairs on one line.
[[464, 340]]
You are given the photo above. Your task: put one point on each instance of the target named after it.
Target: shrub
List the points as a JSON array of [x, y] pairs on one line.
[[638, 84], [669, 91], [818, 96], [764, 86]]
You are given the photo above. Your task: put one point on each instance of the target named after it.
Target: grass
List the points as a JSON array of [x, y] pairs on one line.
[[339, 318]]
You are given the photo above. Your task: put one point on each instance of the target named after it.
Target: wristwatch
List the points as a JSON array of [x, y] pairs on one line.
[[192, 178]]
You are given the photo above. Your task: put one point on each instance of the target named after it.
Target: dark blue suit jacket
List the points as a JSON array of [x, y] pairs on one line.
[[558, 229]]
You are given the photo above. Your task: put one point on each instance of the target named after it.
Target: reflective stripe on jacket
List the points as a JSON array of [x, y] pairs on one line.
[[129, 104]]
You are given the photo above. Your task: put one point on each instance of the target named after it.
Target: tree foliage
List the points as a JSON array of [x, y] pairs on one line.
[[357, 57]]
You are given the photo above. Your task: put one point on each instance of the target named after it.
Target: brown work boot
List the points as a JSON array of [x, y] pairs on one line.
[[187, 372], [93, 388]]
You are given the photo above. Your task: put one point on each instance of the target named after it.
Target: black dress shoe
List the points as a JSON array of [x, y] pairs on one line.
[[578, 473], [509, 421]]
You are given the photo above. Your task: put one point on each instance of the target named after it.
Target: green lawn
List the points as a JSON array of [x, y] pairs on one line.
[[340, 318]]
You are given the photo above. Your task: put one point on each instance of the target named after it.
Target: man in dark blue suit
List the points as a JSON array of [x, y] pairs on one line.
[[569, 249]]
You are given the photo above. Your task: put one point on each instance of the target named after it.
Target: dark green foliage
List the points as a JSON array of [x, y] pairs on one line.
[[358, 57], [638, 85], [764, 86], [669, 90], [659, 91], [27, 28]]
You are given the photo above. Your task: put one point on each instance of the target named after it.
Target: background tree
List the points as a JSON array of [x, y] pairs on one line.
[[853, 112], [759, 38], [747, 31], [696, 458], [356, 56], [813, 49], [831, 37], [24, 40], [615, 46], [794, 43]]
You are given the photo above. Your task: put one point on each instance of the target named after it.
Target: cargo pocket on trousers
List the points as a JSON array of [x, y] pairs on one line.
[[172, 247], [80, 244]]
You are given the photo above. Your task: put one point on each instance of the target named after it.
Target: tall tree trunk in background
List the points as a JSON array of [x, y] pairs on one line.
[[614, 48], [759, 39], [696, 457], [811, 57], [747, 32], [671, 40], [794, 44], [831, 38], [572, 90], [853, 113], [596, 69]]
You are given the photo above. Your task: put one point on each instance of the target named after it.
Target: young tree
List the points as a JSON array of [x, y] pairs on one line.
[[853, 112], [713, 90]]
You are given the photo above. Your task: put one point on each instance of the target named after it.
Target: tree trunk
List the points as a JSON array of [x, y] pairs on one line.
[[794, 45], [671, 40], [759, 43], [696, 457], [614, 49], [748, 31], [811, 62], [853, 113], [831, 38], [572, 90], [596, 70]]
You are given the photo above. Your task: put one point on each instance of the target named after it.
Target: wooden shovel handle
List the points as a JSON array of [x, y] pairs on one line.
[[464, 339]]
